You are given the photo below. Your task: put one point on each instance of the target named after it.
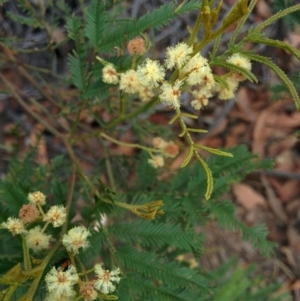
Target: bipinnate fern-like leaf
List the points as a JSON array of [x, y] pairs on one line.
[[156, 235], [77, 60], [12, 197], [277, 44], [136, 287], [58, 191], [96, 22], [239, 285], [248, 74], [280, 89], [124, 31], [280, 73], [21, 170], [292, 19], [187, 188], [28, 15], [187, 6], [223, 211], [277, 16], [151, 266], [29, 21], [77, 71]]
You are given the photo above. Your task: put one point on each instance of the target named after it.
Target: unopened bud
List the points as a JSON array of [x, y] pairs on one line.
[[136, 46]]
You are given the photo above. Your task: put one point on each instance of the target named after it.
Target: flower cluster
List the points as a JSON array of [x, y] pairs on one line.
[[36, 237], [27, 214], [60, 284], [193, 71], [168, 150]]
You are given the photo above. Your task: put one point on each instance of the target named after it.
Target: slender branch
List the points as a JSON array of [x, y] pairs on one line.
[[35, 68], [77, 118], [27, 262], [120, 119], [34, 285], [27, 109], [141, 109], [80, 171], [69, 198], [42, 108], [48, 47], [109, 170], [24, 73], [133, 145]]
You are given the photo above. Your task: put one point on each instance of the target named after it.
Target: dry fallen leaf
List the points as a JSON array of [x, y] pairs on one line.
[[248, 197]]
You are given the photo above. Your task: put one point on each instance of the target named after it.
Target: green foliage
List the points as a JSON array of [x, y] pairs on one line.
[[13, 197], [156, 234], [280, 14], [189, 183], [249, 75], [239, 285], [280, 91], [77, 61], [292, 19], [146, 251], [291, 88], [104, 38], [96, 23], [29, 16], [142, 226], [154, 19]]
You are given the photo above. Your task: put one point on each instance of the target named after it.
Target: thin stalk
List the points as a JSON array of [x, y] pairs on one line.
[[69, 198], [77, 118], [27, 109], [38, 275], [109, 170], [26, 256], [133, 145], [195, 29], [120, 119]]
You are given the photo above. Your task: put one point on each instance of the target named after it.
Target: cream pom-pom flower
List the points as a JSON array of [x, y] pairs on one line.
[[60, 283], [56, 215], [177, 56], [75, 239], [37, 240], [151, 73], [105, 280], [14, 225]]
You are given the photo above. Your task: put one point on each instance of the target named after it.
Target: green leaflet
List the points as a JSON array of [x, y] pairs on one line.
[[276, 44], [248, 74], [277, 16], [280, 73], [96, 20], [77, 60]]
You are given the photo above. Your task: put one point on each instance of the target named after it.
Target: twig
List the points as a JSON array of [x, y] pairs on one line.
[[69, 198], [278, 174], [27, 109], [120, 119], [133, 145]]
